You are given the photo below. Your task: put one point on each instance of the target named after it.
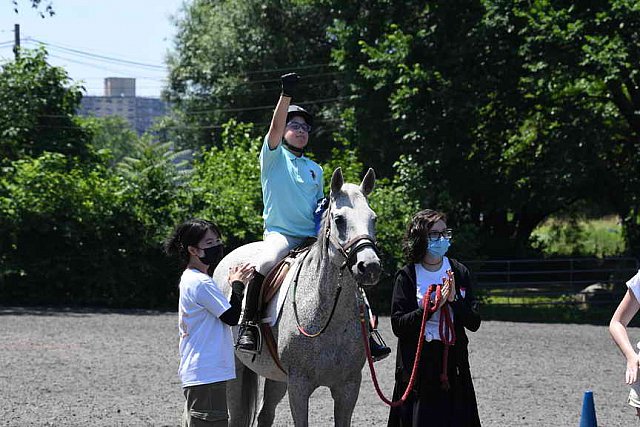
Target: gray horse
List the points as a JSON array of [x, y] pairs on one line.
[[335, 357]]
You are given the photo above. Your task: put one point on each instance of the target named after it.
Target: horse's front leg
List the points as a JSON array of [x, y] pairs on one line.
[[274, 391], [345, 396], [300, 388]]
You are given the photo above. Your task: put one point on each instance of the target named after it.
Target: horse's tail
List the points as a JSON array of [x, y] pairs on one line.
[[243, 395]]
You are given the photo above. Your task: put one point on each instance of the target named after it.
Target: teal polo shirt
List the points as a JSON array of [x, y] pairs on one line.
[[291, 187]]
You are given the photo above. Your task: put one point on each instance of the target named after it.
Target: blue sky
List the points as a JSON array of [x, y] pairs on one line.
[[138, 31]]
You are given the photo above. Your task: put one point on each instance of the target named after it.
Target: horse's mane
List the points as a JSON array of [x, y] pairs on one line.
[[321, 242]]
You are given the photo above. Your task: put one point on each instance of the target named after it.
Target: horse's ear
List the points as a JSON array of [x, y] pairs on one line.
[[337, 180], [368, 182]]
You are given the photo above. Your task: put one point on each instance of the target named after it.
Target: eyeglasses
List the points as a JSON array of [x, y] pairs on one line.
[[437, 235], [299, 126]]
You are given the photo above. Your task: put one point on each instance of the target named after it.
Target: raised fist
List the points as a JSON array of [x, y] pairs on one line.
[[289, 83]]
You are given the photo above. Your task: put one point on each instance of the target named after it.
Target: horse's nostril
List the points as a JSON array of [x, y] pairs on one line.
[[361, 267]]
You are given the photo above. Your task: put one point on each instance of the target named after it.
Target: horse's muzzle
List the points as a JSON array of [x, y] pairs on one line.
[[367, 272]]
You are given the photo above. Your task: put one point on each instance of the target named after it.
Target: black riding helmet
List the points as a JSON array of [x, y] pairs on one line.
[[295, 110]]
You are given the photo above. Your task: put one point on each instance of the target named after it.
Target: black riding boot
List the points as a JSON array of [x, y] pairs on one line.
[[248, 336]]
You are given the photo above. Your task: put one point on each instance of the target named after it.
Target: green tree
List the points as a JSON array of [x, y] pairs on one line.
[[584, 57], [78, 233], [155, 181], [226, 185], [227, 62], [500, 104], [112, 134], [38, 104]]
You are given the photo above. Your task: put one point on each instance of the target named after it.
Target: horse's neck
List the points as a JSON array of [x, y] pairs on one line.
[[327, 277]]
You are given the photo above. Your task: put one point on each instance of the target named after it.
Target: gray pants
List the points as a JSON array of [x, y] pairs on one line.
[[205, 405], [275, 247]]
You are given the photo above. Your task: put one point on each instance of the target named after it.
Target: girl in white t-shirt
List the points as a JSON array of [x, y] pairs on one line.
[[628, 308], [204, 317]]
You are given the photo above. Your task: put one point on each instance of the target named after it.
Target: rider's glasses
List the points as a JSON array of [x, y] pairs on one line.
[[437, 235], [299, 126]]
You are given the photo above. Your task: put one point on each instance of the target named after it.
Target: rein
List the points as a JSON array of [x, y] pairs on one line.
[[428, 308], [295, 307], [348, 251]]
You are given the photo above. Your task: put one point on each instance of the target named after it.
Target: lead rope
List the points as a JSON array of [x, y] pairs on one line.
[[446, 330], [428, 308]]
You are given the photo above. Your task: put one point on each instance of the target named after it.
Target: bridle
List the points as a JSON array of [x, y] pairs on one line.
[[350, 248], [348, 251]]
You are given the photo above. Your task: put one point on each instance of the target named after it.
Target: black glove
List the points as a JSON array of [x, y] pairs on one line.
[[289, 83]]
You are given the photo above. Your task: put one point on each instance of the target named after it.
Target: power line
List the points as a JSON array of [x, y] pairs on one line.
[[100, 57], [301, 67], [99, 67], [333, 73], [193, 127], [155, 67], [268, 107], [240, 109]]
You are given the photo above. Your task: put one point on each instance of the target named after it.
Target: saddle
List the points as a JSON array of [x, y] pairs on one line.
[[274, 278], [270, 287]]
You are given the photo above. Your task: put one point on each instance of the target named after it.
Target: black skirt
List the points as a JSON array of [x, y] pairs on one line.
[[429, 404]]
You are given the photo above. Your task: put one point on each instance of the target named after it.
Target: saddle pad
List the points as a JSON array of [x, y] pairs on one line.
[[274, 307]]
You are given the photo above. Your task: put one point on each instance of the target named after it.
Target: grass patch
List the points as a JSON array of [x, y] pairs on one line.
[[580, 237], [548, 309], [598, 315]]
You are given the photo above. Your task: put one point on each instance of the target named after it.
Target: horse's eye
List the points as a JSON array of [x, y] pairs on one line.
[[340, 221]]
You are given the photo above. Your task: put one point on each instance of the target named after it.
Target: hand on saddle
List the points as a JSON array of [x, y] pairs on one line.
[[241, 273]]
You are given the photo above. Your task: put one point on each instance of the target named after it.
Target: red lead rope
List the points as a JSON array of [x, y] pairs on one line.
[[446, 330], [428, 308]]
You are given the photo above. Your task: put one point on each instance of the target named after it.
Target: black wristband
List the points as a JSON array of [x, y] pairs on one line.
[[237, 286]]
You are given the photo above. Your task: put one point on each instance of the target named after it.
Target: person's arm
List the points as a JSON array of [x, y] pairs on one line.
[[406, 316], [279, 119], [466, 308], [238, 276], [232, 315], [618, 329]]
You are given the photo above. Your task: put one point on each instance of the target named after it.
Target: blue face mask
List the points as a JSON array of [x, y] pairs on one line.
[[438, 247]]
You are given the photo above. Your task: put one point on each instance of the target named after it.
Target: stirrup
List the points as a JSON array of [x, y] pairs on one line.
[[258, 336], [379, 341]]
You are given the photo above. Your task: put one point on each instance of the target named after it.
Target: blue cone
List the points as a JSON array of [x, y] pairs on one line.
[[588, 417]]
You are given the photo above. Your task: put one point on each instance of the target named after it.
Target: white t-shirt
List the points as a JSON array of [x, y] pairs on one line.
[[424, 278], [634, 285], [206, 344]]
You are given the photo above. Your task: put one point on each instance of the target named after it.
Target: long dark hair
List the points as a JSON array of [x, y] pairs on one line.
[[189, 233], [414, 244]]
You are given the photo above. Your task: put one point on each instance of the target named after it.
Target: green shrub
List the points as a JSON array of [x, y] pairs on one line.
[[77, 234]]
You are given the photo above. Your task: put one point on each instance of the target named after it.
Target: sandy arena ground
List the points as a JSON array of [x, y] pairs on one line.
[[75, 368]]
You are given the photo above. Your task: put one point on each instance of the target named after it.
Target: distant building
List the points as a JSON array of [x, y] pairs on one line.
[[120, 100]]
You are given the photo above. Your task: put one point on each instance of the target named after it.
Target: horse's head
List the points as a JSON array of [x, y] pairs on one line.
[[350, 228]]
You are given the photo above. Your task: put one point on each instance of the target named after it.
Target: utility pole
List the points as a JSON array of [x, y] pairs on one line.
[[16, 42]]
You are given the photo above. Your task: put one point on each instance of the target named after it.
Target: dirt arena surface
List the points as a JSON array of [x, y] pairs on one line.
[[79, 368]]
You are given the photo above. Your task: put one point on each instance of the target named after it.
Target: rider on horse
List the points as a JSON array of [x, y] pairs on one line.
[[292, 189]]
